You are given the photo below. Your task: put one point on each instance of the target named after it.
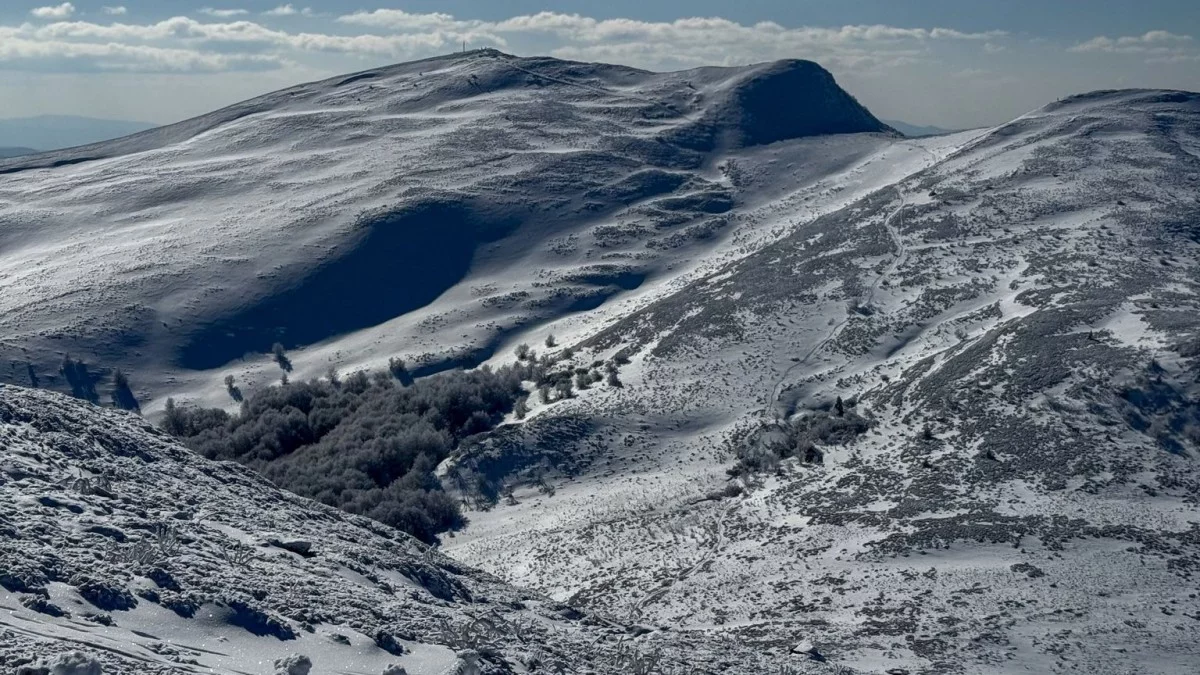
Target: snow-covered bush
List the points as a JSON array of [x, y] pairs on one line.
[[74, 663], [801, 437]]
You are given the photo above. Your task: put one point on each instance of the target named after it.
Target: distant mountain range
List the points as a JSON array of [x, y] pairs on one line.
[[916, 130], [15, 152], [21, 135]]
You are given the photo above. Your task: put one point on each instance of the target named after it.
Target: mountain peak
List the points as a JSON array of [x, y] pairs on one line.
[[793, 98]]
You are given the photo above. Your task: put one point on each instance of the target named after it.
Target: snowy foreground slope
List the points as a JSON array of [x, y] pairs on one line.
[[1018, 328], [120, 544]]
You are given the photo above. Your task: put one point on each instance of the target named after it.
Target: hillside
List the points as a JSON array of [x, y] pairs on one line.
[[119, 544], [917, 130], [429, 210], [6, 152], [1013, 334]]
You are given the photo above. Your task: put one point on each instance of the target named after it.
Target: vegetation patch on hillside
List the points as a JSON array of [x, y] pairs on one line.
[[365, 444]]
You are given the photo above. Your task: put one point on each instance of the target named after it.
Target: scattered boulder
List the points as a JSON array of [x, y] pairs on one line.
[[74, 663], [1032, 571], [394, 670], [100, 618], [183, 605], [469, 663], [105, 596], [301, 547], [258, 622], [41, 605], [388, 643], [810, 649], [22, 581], [51, 502], [568, 612], [295, 664], [439, 584], [163, 579], [107, 531]]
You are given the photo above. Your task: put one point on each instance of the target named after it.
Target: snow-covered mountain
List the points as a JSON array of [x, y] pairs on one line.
[[431, 209], [892, 404], [7, 152], [917, 130], [1011, 483]]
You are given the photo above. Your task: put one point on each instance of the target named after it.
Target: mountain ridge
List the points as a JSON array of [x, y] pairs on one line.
[[173, 133]]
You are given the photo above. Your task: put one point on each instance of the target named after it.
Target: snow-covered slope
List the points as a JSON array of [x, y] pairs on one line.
[[428, 210], [120, 544], [1018, 324]]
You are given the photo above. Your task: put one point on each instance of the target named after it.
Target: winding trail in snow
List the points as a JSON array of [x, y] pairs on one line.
[[782, 410], [718, 544], [901, 253]]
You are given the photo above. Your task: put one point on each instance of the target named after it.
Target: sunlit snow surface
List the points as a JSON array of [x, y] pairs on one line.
[[1031, 299], [1028, 294]]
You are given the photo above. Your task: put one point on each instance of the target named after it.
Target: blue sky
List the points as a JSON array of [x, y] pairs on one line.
[[952, 63]]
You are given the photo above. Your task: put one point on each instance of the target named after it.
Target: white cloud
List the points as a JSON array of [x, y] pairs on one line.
[[398, 19], [683, 42], [1152, 42], [119, 10], [19, 50], [288, 10], [223, 13], [188, 31], [576, 26], [399, 35], [54, 12]]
